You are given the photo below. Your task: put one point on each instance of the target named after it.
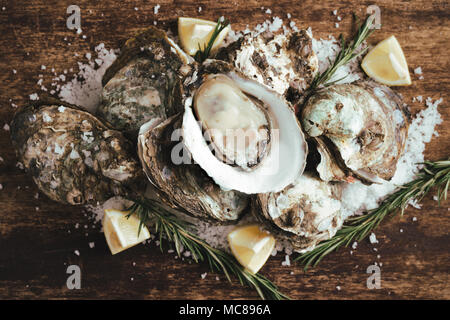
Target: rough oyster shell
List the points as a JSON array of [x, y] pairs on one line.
[[184, 185], [304, 213], [145, 82], [72, 157], [285, 158], [285, 63], [359, 129]]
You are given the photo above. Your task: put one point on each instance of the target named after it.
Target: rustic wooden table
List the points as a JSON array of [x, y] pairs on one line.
[[38, 237]]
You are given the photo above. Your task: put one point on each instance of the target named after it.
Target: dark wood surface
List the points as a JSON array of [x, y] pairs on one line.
[[37, 246]]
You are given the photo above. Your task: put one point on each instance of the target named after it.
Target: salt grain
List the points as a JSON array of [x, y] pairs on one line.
[[287, 261], [77, 252], [418, 70], [34, 96], [203, 275], [373, 238], [156, 9]]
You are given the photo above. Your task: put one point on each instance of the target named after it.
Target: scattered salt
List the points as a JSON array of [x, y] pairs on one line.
[[34, 96], [203, 275], [418, 70], [268, 11], [287, 261], [77, 252], [6, 127], [156, 9], [91, 245], [373, 238]]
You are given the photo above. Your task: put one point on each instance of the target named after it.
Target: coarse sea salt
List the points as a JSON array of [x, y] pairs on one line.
[[356, 197]]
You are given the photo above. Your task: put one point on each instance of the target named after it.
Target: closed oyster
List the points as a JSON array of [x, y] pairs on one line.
[[184, 185], [244, 135], [72, 157], [145, 82], [360, 131], [285, 63], [304, 213]]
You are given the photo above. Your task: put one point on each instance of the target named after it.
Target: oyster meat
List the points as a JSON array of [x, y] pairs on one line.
[[72, 157], [285, 63], [145, 82], [304, 213], [359, 130], [184, 185], [244, 135]]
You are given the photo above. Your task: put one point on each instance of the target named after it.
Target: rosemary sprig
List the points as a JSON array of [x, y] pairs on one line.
[[433, 174], [203, 54], [347, 53], [176, 230]]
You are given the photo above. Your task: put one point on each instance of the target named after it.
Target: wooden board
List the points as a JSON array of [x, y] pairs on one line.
[[38, 237]]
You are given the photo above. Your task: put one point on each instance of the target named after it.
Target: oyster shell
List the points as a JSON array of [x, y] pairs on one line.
[[304, 213], [359, 129], [285, 63], [145, 82], [268, 149], [184, 185], [72, 157]]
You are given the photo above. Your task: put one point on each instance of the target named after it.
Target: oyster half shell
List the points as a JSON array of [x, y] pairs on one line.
[[285, 63], [268, 146], [359, 130], [184, 185], [304, 213], [145, 82], [72, 157]]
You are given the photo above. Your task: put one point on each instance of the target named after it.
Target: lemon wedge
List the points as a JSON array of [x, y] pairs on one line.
[[386, 63], [194, 32], [251, 246], [121, 232]]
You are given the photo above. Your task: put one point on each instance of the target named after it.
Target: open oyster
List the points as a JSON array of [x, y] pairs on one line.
[[145, 81], [359, 129], [285, 63], [184, 185], [244, 135], [72, 157], [304, 213]]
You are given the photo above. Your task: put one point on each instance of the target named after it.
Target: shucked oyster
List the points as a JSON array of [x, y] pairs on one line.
[[72, 157], [184, 185], [145, 82], [244, 135], [285, 63], [360, 131], [304, 213]]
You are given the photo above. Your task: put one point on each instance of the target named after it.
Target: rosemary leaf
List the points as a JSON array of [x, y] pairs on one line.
[[203, 54], [432, 175], [348, 52], [177, 231]]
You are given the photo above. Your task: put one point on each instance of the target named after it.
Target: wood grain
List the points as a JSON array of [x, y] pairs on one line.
[[38, 237]]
